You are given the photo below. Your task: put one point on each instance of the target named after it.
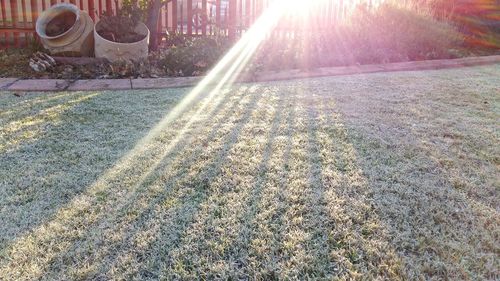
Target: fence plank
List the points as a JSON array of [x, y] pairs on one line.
[[109, 7], [159, 25], [167, 11], [34, 15], [248, 8], [174, 16], [197, 18], [229, 18], [92, 9], [240, 22], [25, 20], [232, 19], [3, 12], [189, 19], [218, 10], [34, 12], [254, 13], [225, 21], [14, 17], [182, 18], [100, 8], [4, 22], [204, 17]]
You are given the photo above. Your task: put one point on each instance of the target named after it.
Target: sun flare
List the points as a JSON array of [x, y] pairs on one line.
[[298, 6]]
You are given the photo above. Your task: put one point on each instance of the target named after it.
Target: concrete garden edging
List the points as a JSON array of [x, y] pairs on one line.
[[14, 84]]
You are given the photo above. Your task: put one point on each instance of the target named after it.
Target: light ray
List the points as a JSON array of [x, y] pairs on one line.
[[222, 75]]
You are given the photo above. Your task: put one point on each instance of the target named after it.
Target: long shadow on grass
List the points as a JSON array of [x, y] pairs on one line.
[[142, 212], [115, 221], [237, 245], [11, 102], [180, 201], [31, 169], [11, 106], [320, 264], [256, 263], [87, 214], [22, 129], [437, 231]]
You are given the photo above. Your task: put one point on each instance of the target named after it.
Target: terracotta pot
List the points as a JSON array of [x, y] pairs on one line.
[[78, 40]]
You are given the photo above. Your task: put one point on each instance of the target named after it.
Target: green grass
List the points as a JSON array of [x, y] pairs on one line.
[[388, 175]]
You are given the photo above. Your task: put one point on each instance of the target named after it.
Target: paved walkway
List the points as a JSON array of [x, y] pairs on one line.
[[14, 84]]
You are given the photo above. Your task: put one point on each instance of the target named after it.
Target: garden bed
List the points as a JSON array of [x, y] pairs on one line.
[[388, 34]]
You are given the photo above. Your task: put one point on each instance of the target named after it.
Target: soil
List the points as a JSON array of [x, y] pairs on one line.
[[60, 24], [130, 37], [119, 29]]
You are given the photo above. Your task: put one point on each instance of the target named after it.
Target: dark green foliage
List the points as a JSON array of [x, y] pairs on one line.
[[192, 56], [134, 9], [120, 28]]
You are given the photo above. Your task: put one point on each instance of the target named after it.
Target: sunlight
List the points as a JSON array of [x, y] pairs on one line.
[[231, 65], [30, 128], [223, 74], [298, 7]]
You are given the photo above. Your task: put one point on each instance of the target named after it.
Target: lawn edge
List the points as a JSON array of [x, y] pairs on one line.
[[40, 85]]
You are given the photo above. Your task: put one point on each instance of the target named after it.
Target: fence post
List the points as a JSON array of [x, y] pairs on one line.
[[14, 13], [99, 13], [189, 17], [25, 19], [204, 17], [34, 15], [92, 9], [232, 19], [166, 10], [4, 22], [174, 15], [248, 13], [159, 26], [109, 7], [4, 15], [181, 18], [218, 10], [240, 21]]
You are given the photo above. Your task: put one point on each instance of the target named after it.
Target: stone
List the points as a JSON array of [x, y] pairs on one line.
[[100, 84]]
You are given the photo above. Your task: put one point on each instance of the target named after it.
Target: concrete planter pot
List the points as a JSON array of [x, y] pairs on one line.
[[114, 51], [78, 40]]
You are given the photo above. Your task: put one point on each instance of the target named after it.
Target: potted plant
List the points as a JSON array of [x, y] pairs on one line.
[[121, 37]]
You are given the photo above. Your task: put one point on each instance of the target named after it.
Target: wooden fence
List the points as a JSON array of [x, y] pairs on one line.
[[190, 17]]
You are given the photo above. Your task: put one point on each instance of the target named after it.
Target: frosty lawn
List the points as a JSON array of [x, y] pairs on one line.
[[394, 175]]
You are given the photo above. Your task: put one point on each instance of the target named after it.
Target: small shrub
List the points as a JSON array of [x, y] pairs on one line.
[[390, 33], [193, 56]]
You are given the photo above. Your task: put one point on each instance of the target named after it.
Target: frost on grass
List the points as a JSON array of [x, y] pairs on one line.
[[389, 176]]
